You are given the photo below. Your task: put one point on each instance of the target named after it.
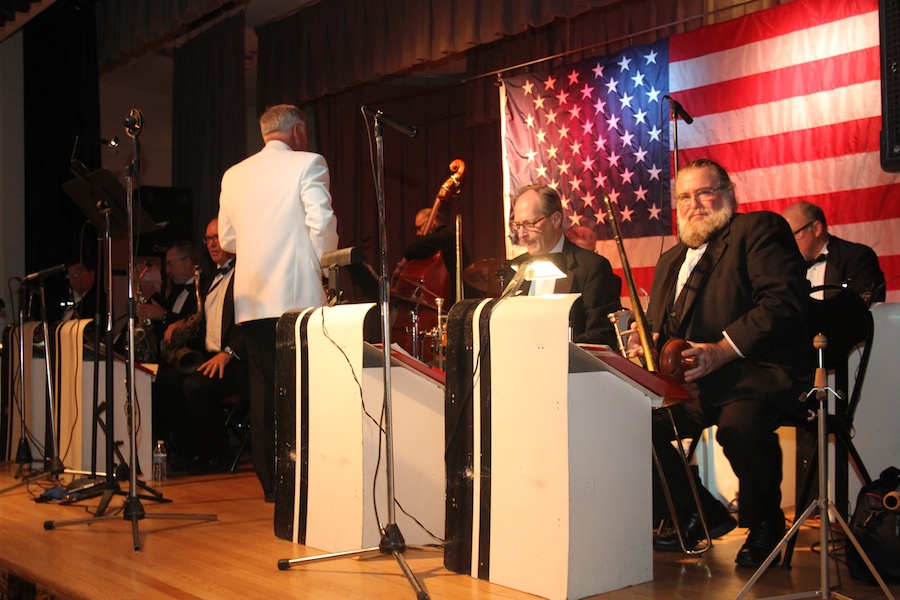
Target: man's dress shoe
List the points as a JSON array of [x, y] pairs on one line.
[[692, 530], [761, 540]]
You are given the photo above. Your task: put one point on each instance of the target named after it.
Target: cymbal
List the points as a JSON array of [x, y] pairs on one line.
[[488, 275]]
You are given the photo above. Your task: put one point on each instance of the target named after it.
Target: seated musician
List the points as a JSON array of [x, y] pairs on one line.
[[831, 260], [192, 401], [538, 223], [429, 240], [735, 289]]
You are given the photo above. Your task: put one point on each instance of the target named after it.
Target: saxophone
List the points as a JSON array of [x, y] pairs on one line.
[[176, 351], [146, 348]]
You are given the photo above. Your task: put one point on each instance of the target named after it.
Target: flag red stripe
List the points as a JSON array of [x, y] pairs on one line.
[[851, 206], [764, 25], [790, 82], [891, 267], [850, 137]]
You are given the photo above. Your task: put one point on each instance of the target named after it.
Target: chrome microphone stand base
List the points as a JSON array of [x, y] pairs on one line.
[[825, 506]]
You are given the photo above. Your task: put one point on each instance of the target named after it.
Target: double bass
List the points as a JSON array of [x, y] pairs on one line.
[[423, 287]]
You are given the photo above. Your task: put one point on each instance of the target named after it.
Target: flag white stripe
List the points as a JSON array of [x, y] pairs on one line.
[[848, 103], [811, 178], [796, 48]]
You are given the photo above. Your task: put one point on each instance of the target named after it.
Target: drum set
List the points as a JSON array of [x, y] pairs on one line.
[[419, 319]]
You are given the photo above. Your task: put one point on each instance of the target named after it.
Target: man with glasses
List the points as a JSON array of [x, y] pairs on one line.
[[831, 260], [734, 288], [538, 225], [180, 303]]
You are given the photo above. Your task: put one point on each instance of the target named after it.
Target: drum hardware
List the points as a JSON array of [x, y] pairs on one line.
[[488, 276]]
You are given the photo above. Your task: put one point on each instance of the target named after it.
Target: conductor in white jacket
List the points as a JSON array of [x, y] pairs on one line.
[[275, 211]]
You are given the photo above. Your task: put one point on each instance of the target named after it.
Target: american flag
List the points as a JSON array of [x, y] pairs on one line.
[[597, 126], [786, 99]]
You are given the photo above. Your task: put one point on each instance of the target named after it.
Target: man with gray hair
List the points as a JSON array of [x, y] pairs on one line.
[[275, 212]]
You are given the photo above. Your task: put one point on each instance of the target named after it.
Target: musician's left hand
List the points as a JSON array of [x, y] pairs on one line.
[[707, 358], [633, 347], [215, 365]]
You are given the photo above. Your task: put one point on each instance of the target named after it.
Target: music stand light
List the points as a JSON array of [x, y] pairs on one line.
[[332, 262], [542, 267]]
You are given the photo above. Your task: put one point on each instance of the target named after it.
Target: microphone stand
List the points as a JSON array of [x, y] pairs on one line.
[[824, 505], [133, 509], [392, 541], [53, 465]]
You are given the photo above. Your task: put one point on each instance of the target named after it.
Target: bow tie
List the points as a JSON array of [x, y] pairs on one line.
[[223, 270], [815, 261]]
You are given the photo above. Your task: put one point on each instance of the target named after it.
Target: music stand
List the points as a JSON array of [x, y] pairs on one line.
[[392, 542], [133, 509], [103, 199]]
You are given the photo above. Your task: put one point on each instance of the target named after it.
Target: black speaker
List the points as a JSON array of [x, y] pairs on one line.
[[889, 29], [170, 207]]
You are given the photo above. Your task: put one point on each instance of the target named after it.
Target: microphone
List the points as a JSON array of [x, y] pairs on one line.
[[679, 109], [44, 273], [400, 126]]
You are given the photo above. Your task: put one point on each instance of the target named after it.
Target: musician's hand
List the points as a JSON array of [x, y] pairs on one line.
[[170, 331], [633, 346], [707, 358], [151, 310], [215, 365]]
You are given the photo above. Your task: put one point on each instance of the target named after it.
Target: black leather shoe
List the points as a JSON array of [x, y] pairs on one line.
[[761, 540], [692, 530]]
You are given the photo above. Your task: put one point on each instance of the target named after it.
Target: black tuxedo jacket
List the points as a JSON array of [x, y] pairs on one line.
[[751, 283], [857, 264], [590, 275]]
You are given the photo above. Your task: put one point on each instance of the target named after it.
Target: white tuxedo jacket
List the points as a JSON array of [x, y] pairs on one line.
[[275, 213]]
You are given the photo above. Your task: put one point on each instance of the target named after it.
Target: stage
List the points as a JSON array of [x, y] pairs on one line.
[[236, 556]]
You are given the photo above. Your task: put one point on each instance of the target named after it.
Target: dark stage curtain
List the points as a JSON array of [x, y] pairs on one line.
[[61, 93], [128, 28], [208, 114], [334, 45], [414, 168]]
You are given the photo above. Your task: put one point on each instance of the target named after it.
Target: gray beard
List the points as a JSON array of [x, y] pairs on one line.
[[697, 234]]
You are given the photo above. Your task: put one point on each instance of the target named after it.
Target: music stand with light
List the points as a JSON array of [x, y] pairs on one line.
[[392, 542]]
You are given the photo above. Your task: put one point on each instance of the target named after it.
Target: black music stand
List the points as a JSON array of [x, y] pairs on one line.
[[133, 509], [103, 200]]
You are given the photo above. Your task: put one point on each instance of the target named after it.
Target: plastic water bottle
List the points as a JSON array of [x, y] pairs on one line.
[[160, 460]]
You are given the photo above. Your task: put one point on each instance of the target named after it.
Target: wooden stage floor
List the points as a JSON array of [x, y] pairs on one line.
[[236, 556]]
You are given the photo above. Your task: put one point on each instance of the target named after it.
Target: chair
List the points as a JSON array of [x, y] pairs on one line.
[[844, 318], [237, 425]]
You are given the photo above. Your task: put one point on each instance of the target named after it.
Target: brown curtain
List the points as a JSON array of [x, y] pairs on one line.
[[340, 43], [128, 28], [414, 168], [208, 114]]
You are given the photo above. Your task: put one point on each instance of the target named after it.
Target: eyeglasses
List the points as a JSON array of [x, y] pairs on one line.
[[208, 238], [514, 226], [703, 195], [799, 231]]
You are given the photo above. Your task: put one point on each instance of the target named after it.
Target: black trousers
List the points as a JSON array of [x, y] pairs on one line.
[[259, 336], [746, 432], [204, 397]]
